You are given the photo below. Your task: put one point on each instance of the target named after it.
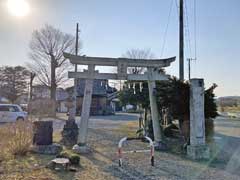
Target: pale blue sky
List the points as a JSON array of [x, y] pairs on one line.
[[110, 27]]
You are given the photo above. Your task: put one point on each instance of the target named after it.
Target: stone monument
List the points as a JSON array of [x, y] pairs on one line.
[[43, 138], [197, 148], [70, 129]]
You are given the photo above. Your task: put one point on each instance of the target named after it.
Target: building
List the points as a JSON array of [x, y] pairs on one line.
[[61, 98], [40, 91], [102, 97], [43, 92]]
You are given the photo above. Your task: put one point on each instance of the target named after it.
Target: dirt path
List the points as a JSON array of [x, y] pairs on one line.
[[106, 131]]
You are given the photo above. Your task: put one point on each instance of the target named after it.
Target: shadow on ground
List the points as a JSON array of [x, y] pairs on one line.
[[226, 153]]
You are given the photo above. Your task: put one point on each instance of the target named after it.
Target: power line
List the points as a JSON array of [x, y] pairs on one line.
[[195, 27], [166, 31], [177, 7]]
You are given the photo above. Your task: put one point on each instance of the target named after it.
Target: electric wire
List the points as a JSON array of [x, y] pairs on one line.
[[166, 30]]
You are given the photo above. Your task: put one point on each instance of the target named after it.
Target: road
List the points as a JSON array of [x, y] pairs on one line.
[[101, 122], [227, 138]]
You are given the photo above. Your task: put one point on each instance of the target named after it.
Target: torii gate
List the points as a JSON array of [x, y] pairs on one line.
[[122, 64]]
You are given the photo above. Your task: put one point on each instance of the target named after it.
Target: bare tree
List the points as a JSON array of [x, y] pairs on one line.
[[32, 77], [138, 54], [46, 52]]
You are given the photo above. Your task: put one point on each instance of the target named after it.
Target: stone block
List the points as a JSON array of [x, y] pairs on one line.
[[47, 149], [81, 149], [42, 132], [198, 152]]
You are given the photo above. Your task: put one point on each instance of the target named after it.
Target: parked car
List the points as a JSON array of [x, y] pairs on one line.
[[11, 113]]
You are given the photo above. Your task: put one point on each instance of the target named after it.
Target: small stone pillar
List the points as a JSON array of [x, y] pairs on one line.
[[70, 129], [197, 148], [43, 138]]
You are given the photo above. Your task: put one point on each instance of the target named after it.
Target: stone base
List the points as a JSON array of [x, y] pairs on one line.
[[47, 149], [84, 149], [160, 146], [198, 152]]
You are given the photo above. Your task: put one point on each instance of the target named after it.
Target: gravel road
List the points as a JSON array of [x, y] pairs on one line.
[[104, 135]]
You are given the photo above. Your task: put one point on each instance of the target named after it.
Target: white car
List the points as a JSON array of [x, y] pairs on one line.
[[11, 113]]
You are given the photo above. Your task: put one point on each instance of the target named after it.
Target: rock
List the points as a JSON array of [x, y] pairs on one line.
[[73, 158], [47, 149], [58, 164], [81, 149]]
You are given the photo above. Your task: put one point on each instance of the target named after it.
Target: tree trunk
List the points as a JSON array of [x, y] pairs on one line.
[[32, 76], [53, 80]]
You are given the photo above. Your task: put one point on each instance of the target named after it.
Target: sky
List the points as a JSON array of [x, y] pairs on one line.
[[110, 27]]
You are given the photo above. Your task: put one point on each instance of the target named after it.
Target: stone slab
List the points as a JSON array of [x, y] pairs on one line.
[[198, 152], [47, 149]]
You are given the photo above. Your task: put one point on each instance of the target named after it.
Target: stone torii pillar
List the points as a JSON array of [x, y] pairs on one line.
[[154, 110], [81, 147]]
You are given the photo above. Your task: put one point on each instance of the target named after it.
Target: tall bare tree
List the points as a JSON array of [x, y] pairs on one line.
[[32, 76], [46, 52], [138, 54]]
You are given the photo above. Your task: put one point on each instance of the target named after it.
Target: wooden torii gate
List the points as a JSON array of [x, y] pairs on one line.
[[152, 75]]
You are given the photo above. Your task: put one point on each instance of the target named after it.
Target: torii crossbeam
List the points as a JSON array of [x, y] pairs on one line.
[[152, 75]]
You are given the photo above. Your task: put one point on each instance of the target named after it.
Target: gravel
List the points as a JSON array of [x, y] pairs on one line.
[[103, 138]]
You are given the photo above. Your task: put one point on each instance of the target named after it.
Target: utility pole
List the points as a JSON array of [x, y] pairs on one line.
[[189, 68], [76, 46], [75, 80], [181, 40]]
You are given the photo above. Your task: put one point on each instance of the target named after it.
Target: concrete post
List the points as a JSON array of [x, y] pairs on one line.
[[197, 148]]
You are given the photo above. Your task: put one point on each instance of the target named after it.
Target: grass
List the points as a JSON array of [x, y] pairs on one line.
[[16, 162], [30, 166], [129, 129], [234, 109]]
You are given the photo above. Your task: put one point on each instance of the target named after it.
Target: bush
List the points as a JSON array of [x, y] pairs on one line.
[[16, 138]]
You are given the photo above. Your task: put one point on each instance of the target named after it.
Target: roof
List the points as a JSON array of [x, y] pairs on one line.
[[106, 61]]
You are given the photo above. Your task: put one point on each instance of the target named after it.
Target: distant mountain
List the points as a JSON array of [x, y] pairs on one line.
[[229, 100], [229, 97]]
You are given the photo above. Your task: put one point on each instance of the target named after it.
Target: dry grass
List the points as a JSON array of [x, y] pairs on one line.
[[16, 138], [128, 129], [231, 109]]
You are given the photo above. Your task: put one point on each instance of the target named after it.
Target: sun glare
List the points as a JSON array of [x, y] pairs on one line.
[[18, 8]]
